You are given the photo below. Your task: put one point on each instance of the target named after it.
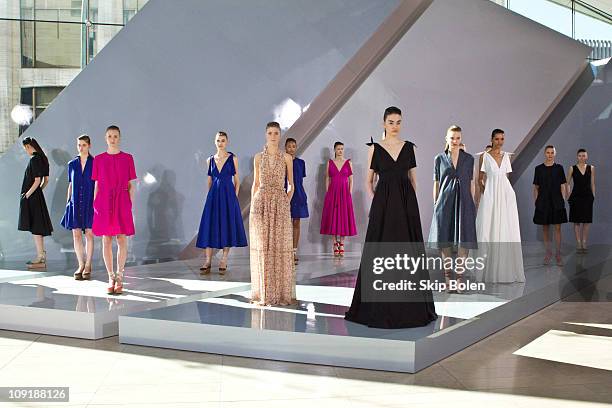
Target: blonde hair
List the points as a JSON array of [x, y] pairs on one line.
[[452, 128]]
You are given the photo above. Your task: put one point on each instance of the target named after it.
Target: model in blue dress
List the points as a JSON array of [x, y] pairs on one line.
[[78, 216], [299, 201], [221, 226], [453, 226]]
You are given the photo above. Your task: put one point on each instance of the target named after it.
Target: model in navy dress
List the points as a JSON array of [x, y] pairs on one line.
[[549, 190], [79, 213], [221, 226], [299, 201], [453, 226]]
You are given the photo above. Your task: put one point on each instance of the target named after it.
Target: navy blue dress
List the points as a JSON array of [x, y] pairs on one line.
[[454, 217], [299, 201], [221, 225], [79, 208]]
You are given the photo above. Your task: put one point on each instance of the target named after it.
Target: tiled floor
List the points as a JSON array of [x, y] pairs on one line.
[[106, 373]]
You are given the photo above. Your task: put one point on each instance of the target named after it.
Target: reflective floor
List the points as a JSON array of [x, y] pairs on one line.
[[493, 372]]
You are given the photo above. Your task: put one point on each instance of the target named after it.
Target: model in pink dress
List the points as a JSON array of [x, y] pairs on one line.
[[338, 218], [113, 172]]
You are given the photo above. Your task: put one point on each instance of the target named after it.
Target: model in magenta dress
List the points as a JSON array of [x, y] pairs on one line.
[[112, 205], [338, 218]]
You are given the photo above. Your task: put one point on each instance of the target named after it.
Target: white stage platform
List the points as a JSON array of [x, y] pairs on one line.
[[315, 331], [52, 302]]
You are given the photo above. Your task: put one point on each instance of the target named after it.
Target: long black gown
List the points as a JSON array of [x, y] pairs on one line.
[[394, 218]]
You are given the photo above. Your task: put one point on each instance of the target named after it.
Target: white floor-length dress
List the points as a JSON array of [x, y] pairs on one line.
[[497, 225]]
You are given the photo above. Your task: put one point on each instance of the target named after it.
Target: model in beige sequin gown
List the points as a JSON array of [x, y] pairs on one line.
[[271, 235]]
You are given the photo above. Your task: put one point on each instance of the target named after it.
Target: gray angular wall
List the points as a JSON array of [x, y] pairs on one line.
[[177, 73], [464, 62]]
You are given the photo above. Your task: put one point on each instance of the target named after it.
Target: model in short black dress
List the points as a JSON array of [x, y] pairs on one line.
[[581, 199], [550, 205], [394, 218], [33, 213]]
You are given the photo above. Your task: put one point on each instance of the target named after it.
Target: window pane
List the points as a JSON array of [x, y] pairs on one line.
[[57, 45]]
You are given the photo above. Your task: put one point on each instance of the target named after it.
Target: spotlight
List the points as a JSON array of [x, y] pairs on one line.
[[22, 114], [149, 178]]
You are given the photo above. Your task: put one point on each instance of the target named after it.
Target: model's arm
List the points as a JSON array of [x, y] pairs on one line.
[[412, 176], [327, 178], [535, 192], [255, 174], [593, 180], [236, 177], [44, 182], [473, 189], [69, 192], [564, 191], [289, 166], [95, 190], [35, 185], [209, 178], [482, 176], [350, 179], [131, 191], [570, 183], [370, 179], [436, 190]]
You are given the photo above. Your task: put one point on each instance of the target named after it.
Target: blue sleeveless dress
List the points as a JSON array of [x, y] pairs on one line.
[[221, 225]]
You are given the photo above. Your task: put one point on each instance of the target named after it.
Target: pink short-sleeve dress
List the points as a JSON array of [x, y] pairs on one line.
[[112, 205]]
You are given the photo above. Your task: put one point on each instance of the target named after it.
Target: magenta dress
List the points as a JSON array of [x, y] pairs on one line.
[[338, 217], [112, 205]]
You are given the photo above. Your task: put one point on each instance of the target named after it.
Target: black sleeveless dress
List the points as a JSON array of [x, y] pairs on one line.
[[581, 199], [394, 220], [33, 213]]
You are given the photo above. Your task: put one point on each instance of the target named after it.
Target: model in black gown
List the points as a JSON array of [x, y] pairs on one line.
[[394, 218]]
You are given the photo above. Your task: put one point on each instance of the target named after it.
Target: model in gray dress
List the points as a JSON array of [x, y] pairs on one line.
[[454, 217]]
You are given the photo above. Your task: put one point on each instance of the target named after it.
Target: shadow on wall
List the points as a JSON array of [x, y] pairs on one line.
[[57, 204], [164, 206]]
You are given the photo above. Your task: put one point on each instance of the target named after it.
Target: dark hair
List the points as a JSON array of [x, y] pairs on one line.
[[488, 146], [113, 127], [289, 140], [32, 142], [549, 147], [336, 145], [391, 110], [224, 134], [85, 138], [581, 150], [273, 125], [496, 132]]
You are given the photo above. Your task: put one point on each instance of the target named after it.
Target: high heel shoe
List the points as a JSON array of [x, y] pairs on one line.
[[337, 248], [39, 262], [110, 290], [547, 258], [458, 281], [295, 258], [87, 272], [78, 274], [222, 266], [559, 259], [341, 249], [118, 286], [205, 269], [447, 279]]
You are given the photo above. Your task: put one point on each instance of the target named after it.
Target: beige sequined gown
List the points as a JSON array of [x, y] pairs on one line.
[[271, 235]]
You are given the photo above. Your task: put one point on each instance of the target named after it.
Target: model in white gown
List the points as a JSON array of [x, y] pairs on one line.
[[497, 224]]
